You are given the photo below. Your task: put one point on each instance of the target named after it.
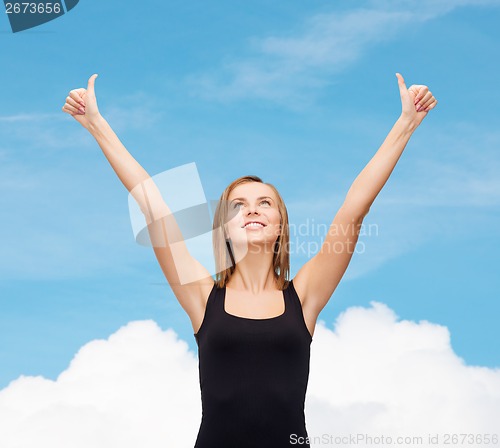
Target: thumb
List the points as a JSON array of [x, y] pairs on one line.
[[90, 86], [402, 86]]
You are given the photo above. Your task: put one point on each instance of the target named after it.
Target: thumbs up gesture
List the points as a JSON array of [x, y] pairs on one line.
[[416, 101], [81, 104]]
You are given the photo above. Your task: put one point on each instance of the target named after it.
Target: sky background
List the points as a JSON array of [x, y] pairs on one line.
[[301, 94]]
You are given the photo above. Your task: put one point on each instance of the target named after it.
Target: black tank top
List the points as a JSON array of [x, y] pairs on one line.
[[253, 376]]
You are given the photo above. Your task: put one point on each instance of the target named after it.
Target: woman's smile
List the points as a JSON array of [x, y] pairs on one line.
[[254, 225]]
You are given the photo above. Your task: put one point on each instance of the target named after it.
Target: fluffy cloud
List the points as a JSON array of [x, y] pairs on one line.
[[378, 375], [137, 388], [373, 374]]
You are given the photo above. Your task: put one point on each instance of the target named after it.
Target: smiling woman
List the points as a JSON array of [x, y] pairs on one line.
[[253, 325], [237, 242]]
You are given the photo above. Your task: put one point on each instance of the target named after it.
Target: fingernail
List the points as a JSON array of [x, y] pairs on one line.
[[81, 110], [418, 108]]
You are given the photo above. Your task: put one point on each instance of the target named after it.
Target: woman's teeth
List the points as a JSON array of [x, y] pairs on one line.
[[253, 224]]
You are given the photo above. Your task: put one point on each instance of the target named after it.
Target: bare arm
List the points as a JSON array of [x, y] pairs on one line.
[[375, 174], [133, 176], [416, 102], [129, 171], [82, 105], [163, 229], [318, 278]]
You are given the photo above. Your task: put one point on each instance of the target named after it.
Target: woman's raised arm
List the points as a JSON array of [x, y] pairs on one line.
[[82, 105], [416, 102], [318, 278]]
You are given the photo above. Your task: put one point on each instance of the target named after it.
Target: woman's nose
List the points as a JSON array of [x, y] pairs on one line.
[[252, 209]]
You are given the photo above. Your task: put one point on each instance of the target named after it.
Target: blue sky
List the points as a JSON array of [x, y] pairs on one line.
[[299, 93]]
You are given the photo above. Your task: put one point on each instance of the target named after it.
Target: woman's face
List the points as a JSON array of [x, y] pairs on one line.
[[254, 219]]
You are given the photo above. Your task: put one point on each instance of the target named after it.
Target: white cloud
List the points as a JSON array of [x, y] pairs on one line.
[[372, 374], [39, 131], [29, 117], [137, 388], [288, 69], [431, 8], [284, 68], [378, 375]]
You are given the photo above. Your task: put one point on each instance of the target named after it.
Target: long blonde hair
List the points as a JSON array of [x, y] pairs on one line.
[[223, 252]]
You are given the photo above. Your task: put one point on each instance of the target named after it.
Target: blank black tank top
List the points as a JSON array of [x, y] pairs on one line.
[[253, 376]]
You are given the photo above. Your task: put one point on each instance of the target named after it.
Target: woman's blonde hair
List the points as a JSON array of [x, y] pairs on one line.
[[223, 252]]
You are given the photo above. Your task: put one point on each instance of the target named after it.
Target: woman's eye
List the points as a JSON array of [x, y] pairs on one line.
[[240, 204]]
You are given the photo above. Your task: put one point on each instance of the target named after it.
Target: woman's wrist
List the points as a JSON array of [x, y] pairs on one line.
[[407, 123], [95, 124]]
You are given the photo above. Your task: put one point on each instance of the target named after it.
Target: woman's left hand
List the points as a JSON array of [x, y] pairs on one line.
[[416, 101]]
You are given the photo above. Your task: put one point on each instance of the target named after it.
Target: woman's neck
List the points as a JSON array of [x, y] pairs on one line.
[[254, 273]]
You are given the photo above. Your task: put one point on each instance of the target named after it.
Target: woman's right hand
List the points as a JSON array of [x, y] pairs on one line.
[[81, 104]]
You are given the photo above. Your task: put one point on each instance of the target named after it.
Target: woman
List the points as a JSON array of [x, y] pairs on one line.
[[253, 326]]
